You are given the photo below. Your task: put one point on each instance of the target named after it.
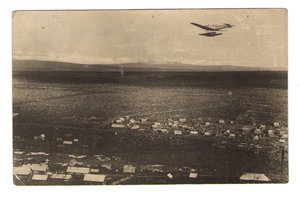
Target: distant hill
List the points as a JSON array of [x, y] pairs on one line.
[[38, 65]]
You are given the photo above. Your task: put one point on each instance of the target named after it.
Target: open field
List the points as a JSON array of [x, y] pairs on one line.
[[86, 104]]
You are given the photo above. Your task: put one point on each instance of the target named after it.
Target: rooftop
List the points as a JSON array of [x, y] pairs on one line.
[[80, 170], [94, 177], [22, 170], [61, 176], [39, 177], [254, 177], [129, 169]]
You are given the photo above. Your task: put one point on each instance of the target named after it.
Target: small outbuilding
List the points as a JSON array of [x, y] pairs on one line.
[[37, 167], [257, 131], [94, 170], [65, 177], [67, 142], [270, 132], [39, 177], [40, 137], [99, 178], [107, 166], [129, 169], [182, 120], [231, 135], [163, 130], [177, 132], [207, 133], [78, 170], [282, 140], [221, 121], [193, 175], [135, 127], [170, 176], [276, 124], [21, 170], [118, 126], [254, 177], [193, 132], [207, 123]]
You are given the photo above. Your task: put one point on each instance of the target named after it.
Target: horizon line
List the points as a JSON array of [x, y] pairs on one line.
[[162, 63]]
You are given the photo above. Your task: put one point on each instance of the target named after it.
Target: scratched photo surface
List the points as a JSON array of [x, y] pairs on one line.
[[122, 97]]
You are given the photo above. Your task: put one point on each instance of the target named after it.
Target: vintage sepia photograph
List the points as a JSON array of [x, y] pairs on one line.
[[150, 96]]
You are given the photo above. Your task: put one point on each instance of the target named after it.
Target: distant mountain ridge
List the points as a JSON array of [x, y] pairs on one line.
[[39, 65]]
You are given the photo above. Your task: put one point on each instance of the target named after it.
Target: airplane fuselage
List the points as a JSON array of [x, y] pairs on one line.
[[213, 27]]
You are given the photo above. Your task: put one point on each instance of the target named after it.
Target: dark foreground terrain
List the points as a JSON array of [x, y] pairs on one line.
[[149, 127]]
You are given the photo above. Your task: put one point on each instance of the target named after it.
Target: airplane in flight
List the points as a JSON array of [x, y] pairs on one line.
[[211, 29]]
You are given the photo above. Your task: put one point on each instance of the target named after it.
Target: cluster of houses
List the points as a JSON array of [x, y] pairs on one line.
[[181, 126], [274, 131], [41, 173], [74, 172], [64, 141], [67, 172]]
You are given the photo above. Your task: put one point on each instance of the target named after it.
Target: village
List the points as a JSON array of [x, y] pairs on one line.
[[62, 167], [219, 128]]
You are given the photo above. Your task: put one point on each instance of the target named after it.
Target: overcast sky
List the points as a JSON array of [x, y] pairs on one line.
[[258, 39]]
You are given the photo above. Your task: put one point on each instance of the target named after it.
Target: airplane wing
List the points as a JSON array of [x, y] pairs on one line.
[[203, 27]]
